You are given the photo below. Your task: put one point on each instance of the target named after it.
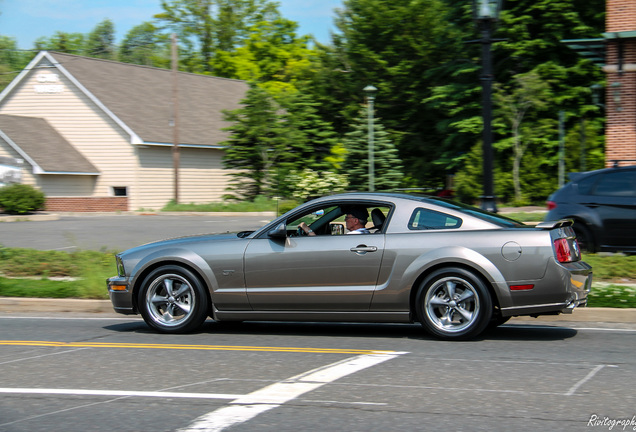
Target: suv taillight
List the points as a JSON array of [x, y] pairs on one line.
[[551, 205], [564, 252]]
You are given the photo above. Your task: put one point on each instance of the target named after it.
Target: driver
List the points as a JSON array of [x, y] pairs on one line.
[[356, 218]]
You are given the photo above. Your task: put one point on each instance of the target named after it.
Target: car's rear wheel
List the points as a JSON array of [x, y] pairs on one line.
[[453, 303], [173, 300], [584, 237]]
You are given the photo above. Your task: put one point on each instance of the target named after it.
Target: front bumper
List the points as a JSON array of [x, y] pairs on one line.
[[121, 295]]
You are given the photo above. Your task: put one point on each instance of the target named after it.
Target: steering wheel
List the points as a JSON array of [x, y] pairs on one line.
[[300, 232]]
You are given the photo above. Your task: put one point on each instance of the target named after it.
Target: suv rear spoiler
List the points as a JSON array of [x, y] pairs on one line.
[[555, 224]]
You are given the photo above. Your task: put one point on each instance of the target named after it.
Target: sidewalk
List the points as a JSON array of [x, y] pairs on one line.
[[21, 305]]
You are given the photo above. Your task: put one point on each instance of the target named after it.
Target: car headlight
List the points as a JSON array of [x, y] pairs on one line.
[[121, 271]]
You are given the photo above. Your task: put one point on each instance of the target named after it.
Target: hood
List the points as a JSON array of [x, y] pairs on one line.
[[187, 241]]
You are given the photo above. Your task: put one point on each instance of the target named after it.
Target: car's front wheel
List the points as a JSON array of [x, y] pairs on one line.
[[453, 303], [173, 300]]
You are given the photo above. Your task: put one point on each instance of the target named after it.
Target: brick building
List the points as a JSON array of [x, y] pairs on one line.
[[620, 69]]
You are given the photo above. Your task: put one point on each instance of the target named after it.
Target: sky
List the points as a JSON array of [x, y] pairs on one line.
[[27, 20]]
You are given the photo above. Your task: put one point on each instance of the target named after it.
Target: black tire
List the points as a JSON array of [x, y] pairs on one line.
[[584, 237], [452, 303], [173, 300]]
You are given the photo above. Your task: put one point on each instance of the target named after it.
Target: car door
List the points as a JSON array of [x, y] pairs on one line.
[[321, 273], [614, 200]]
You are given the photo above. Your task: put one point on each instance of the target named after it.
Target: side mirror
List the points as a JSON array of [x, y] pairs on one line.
[[337, 229], [279, 232]]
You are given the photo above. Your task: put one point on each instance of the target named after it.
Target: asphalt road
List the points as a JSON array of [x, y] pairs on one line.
[[114, 374], [119, 232]]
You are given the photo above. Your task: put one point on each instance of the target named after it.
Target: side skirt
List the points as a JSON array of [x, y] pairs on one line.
[[311, 316]]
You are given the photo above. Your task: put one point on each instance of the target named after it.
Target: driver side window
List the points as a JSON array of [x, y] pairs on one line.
[[332, 220], [317, 219]]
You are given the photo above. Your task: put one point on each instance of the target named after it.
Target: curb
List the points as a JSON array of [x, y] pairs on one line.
[[40, 217], [31, 305], [36, 305]]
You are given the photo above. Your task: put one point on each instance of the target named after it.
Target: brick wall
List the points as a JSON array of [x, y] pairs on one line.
[[620, 15], [87, 204], [620, 134]]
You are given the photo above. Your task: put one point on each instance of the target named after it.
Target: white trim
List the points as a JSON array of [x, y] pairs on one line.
[[159, 144], [21, 75], [36, 168], [70, 173]]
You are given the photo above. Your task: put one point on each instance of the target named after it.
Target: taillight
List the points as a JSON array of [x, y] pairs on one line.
[[564, 252], [551, 205]]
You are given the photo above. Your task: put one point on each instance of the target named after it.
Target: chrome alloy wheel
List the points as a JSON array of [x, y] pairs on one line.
[[170, 299], [452, 304]]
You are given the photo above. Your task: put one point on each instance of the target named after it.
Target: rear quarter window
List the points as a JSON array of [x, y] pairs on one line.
[[586, 184], [618, 184], [425, 219]]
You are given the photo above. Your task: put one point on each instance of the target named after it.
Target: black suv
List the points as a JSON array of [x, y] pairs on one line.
[[602, 204]]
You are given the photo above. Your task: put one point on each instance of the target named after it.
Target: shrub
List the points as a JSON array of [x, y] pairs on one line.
[[21, 199], [309, 183]]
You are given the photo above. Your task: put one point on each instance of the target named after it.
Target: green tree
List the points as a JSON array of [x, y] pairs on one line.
[[310, 139], [469, 180], [101, 41], [12, 60], [533, 32], [388, 170], [254, 145], [272, 54], [415, 53], [211, 25], [146, 45], [271, 137], [72, 43], [527, 92]]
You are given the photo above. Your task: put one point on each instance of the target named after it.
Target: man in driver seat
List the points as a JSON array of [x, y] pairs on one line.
[[356, 219]]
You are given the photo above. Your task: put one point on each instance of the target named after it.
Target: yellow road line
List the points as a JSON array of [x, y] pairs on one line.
[[57, 344]]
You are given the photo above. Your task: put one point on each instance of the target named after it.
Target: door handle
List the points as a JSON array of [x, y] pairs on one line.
[[362, 249]]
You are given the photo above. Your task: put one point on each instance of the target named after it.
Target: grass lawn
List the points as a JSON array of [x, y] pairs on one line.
[[33, 273]]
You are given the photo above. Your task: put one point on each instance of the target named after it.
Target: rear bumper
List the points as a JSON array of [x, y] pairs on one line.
[[564, 288]]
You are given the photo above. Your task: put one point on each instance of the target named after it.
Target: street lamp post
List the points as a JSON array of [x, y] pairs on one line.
[[370, 92], [486, 13]]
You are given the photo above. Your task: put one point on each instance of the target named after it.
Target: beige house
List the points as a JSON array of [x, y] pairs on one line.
[[96, 135]]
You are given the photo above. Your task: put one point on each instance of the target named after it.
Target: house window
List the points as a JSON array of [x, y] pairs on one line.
[[120, 191]]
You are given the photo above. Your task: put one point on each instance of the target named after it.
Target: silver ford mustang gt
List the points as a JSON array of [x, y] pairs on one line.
[[455, 269]]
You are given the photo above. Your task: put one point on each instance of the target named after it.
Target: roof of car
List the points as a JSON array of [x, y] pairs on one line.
[[574, 176]]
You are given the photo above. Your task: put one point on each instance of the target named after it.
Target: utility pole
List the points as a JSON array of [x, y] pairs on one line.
[[175, 117], [371, 91], [561, 148]]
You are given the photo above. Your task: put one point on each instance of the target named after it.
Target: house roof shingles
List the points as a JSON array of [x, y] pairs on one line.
[[141, 97], [44, 145]]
